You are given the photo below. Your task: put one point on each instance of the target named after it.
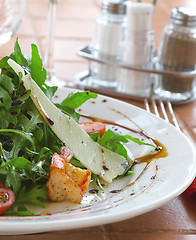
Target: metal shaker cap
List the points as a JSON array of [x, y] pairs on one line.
[[114, 6], [183, 16]]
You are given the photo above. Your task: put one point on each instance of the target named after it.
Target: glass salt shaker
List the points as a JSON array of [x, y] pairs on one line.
[[138, 49], [177, 52], [107, 43]]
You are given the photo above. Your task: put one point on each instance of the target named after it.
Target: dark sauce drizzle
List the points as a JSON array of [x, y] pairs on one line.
[[161, 149]]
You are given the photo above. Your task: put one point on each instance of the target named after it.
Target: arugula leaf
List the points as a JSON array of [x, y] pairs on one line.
[[21, 210], [18, 212], [113, 141], [95, 136], [20, 59], [37, 71], [3, 62], [27, 136], [121, 149], [35, 196], [31, 122], [69, 111], [50, 91], [24, 96], [8, 71], [6, 83], [10, 147], [19, 162], [73, 101], [76, 100], [136, 140], [5, 117], [5, 99], [13, 180], [44, 153]]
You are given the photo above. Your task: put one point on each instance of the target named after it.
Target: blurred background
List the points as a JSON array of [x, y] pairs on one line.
[[75, 27]]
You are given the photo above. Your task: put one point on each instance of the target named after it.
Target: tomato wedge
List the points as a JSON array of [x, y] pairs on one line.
[[7, 198], [92, 127]]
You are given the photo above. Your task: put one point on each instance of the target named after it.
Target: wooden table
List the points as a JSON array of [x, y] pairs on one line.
[[75, 28]]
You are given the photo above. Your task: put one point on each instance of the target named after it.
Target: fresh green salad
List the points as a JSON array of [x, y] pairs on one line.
[[27, 142]]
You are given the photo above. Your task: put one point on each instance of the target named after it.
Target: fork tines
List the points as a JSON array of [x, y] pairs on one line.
[[162, 109]]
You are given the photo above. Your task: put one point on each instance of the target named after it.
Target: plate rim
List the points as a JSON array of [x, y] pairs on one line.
[[111, 217]]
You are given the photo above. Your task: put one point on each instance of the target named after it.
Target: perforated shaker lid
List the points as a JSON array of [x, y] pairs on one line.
[[183, 16], [114, 6]]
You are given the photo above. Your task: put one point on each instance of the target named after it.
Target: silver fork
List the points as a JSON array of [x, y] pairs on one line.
[[159, 109]]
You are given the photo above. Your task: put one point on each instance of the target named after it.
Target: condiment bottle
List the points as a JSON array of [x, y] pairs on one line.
[[107, 42], [177, 52], [138, 47]]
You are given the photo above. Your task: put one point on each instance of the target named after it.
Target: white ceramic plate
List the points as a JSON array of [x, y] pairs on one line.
[[163, 180]]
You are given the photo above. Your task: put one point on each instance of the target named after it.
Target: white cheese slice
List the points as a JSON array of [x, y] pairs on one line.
[[101, 161]]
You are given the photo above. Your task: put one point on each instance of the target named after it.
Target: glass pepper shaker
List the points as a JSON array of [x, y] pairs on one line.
[[107, 42], [177, 52]]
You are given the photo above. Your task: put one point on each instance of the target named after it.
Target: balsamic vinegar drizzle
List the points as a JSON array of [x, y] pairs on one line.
[[161, 149]]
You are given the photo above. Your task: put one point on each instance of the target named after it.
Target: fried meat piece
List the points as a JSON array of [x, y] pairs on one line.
[[65, 179]]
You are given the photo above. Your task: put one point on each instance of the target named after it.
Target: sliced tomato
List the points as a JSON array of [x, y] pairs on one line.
[[92, 127], [7, 198]]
